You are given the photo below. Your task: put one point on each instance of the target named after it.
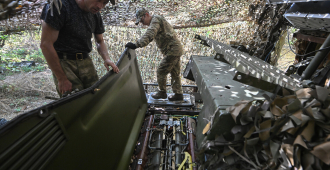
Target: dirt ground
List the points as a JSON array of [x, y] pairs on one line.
[[23, 92], [286, 60]]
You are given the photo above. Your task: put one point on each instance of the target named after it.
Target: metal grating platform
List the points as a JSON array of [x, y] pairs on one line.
[[310, 15], [165, 102], [309, 21]]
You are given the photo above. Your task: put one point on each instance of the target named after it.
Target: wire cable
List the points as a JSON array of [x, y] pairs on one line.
[[304, 54], [270, 52]]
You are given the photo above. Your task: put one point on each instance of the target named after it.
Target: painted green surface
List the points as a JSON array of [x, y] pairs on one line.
[[100, 127]]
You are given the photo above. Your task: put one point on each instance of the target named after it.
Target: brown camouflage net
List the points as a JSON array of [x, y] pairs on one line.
[[20, 15], [180, 14], [260, 33], [290, 132], [194, 13], [150, 56]]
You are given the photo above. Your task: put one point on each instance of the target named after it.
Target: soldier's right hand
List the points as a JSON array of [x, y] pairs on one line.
[[131, 45], [64, 86]]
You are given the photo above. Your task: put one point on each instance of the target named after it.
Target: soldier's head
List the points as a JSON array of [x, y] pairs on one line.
[[143, 16], [93, 6]]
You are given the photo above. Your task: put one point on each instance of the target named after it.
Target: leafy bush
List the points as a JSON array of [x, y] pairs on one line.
[[37, 56], [18, 48]]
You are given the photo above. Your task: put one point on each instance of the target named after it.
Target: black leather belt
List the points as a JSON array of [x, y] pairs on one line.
[[74, 56]]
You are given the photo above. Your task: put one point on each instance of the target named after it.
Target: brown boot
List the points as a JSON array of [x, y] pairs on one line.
[[159, 95], [175, 97]]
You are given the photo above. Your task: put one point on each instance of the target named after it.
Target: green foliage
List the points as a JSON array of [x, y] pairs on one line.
[[208, 33], [2, 77], [21, 47], [13, 69], [3, 37], [36, 68], [17, 109], [37, 56], [292, 30], [18, 55]]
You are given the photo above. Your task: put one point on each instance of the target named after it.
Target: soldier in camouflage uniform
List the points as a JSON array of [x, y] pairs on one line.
[[164, 35], [66, 41]]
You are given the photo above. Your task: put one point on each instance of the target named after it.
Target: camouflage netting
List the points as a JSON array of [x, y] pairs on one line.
[[251, 23], [150, 56], [290, 132], [194, 13], [265, 20]]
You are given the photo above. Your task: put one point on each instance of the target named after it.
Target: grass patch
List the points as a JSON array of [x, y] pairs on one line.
[[18, 48], [19, 55]]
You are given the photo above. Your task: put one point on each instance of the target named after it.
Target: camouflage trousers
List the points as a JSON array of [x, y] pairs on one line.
[[169, 64], [81, 73]]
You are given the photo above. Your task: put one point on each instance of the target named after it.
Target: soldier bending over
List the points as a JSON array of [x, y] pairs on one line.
[[162, 32], [66, 42]]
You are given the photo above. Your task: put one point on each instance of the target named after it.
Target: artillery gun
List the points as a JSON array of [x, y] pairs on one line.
[[253, 115]]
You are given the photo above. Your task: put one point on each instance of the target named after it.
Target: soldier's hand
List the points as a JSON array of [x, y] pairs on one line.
[[131, 45], [64, 86], [108, 63]]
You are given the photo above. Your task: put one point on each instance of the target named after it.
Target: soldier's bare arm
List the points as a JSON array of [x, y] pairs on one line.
[[103, 51], [48, 36]]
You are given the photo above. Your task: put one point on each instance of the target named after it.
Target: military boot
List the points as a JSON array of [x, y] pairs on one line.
[[175, 97], [159, 95]]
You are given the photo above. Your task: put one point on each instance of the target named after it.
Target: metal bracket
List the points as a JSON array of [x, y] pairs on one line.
[[169, 123], [259, 83], [198, 37], [220, 57], [176, 123], [140, 161], [162, 122], [44, 112], [203, 42]]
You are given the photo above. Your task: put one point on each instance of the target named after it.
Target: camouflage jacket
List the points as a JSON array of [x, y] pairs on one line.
[[164, 35]]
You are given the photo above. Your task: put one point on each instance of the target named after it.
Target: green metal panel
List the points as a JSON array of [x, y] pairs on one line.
[[96, 128], [219, 91]]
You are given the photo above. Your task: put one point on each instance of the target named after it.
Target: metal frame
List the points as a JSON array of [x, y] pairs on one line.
[[252, 66], [290, 1]]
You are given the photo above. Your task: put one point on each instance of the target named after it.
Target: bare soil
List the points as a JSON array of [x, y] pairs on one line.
[[287, 58], [23, 92]]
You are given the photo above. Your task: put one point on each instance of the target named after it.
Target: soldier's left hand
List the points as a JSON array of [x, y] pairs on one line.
[[108, 63]]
